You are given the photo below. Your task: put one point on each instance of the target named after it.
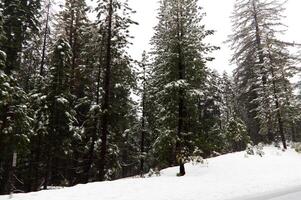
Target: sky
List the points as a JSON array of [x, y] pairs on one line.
[[217, 18]]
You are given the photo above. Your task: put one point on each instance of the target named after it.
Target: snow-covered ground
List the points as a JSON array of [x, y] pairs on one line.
[[290, 196], [227, 177]]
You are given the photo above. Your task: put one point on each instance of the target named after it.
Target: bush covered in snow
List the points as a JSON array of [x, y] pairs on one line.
[[297, 147], [196, 157], [154, 172], [255, 150]]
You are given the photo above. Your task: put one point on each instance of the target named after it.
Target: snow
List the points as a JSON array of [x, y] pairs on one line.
[[229, 177], [176, 84], [290, 196], [62, 100]]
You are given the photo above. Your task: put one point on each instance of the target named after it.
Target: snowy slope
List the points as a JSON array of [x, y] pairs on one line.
[[230, 176]]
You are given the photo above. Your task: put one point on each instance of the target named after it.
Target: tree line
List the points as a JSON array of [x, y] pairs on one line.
[[67, 84]]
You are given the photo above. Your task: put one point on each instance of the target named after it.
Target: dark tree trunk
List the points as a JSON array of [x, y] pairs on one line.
[[106, 98], [45, 40], [72, 42], [142, 138], [37, 183], [293, 129], [142, 149], [280, 124], [143, 124], [47, 175], [4, 161], [181, 93], [182, 168], [95, 131], [271, 137], [6, 175], [277, 104], [30, 177], [90, 158]]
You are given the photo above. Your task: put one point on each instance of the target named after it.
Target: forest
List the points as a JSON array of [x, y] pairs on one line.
[[75, 107]]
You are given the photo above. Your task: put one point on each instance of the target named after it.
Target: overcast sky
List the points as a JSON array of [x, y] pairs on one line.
[[218, 18]]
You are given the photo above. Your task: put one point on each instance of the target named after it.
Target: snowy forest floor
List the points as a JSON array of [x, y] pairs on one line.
[[228, 177]]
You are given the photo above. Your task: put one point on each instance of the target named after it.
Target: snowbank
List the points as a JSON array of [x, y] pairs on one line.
[[231, 176]]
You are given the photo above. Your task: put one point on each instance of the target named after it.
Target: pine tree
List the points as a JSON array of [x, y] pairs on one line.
[[19, 22], [256, 25], [235, 134], [280, 68], [74, 26], [61, 114], [20, 18], [117, 80], [237, 137], [229, 100], [145, 132], [210, 113], [178, 72]]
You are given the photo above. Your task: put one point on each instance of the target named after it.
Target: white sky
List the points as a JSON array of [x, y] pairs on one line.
[[218, 18]]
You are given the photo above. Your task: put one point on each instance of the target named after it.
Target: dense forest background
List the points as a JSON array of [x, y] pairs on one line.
[[67, 85]]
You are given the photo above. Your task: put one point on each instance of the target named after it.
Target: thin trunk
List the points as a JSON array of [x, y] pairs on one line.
[[292, 123], [90, 158], [37, 164], [277, 104], [107, 93], [143, 128], [181, 70], [47, 174], [4, 161], [45, 40], [95, 131], [72, 40], [257, 35], [30, 173], [36, 184], [11, 181]]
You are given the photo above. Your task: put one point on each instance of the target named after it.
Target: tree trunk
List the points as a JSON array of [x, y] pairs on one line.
[[45, 40], [47, 175], [37, 183], [181, 76], [106, 98], [143, 124], [96, 127], [277, 104], [90, 158], [142, 139]]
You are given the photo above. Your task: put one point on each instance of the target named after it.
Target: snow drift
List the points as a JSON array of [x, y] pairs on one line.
[[231, 176]]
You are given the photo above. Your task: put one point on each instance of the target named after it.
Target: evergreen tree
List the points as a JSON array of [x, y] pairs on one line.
[[117, 81], [61, 114], [210, 113], [74, 26], [19, 22], [237, 137], [178, 72], [145, 135], [20, 19], [256, 25], [279, 101], [34, 80]]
